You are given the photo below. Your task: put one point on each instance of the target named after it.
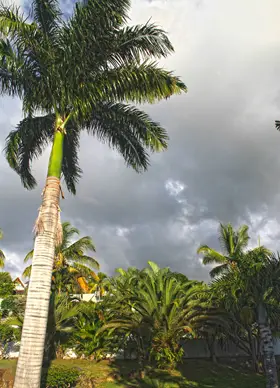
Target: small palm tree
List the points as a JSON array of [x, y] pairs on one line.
[[232, 244], [78, 73], [155, 311], [2, 256], [71, 264]]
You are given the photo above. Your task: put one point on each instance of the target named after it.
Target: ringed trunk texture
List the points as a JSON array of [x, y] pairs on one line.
[[269, 357], [268, 349], [29, 366]]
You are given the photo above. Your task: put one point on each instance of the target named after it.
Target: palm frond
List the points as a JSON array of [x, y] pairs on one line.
[[11, 70], [218, 270], [79, 247], [27, 272], [94, 16], [26, 143], [13, 25], [136, 83], [2, 259], [47, 14], [70, 163], [68, 232], [29, 256], [86, 262], [210, 255], [129, 131], [139, 42]]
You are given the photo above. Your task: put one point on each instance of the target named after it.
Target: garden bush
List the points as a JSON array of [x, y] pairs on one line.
[[61, 377]]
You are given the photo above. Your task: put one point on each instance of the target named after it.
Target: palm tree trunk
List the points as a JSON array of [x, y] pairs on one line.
[[268, 349], [29, 366]]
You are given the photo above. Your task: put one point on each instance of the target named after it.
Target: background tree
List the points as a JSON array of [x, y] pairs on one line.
[[155, 311], [72, 266], [6, 285], [47, 64], [232, 243]]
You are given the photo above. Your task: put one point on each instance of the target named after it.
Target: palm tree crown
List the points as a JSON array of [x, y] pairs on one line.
[[79, 74], [71, 262], [232, 243]]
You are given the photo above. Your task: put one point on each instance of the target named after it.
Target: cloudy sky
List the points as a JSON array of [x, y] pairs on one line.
[[223, 161]]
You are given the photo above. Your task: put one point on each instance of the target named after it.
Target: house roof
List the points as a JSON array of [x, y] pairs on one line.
[[17, 280]]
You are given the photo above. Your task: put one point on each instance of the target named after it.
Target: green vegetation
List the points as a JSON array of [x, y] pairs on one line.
[[6, 285], [73, 268], [79, 73], [151, 313]]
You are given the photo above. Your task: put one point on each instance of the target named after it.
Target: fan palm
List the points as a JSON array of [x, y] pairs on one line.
[[2, 256], [77, 73], [232, 243], [71, 264]]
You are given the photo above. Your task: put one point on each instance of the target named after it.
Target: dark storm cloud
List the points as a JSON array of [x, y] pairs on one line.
[[223, 153]]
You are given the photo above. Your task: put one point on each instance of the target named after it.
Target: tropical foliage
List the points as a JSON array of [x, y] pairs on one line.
[[73, 268], [74, 74], [154, 313]]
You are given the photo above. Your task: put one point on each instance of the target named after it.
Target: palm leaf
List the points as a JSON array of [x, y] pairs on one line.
[[2, 259], [136, 83], [13, 24], [218, 270], [129, 131], [70, 163], [86, 262], [29, 256], [139, 42], [210, 255], [47, 14], [26, 143], [27, 272]]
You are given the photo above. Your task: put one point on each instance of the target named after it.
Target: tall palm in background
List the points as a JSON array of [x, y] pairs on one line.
[[72, 267], [78, 74], [2, 256], [259, 279], [232, 243]]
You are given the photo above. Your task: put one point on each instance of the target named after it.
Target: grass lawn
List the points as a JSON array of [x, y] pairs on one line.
[[193, 373]]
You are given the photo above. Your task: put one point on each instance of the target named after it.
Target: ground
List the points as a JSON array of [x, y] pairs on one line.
[[193, 373]]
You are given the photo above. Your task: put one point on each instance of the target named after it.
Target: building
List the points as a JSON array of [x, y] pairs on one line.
[[19, 287]]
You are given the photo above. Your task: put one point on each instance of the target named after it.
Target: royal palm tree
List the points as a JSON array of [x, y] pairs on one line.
[[2, 256], [72, 267], [77, 73], [232, 243]]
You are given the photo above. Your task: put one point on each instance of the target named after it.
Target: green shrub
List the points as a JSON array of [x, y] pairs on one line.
[[61, 377]]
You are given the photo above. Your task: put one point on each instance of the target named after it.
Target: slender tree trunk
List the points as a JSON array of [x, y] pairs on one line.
[[211, 343], [268, 349], [29, 366]]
